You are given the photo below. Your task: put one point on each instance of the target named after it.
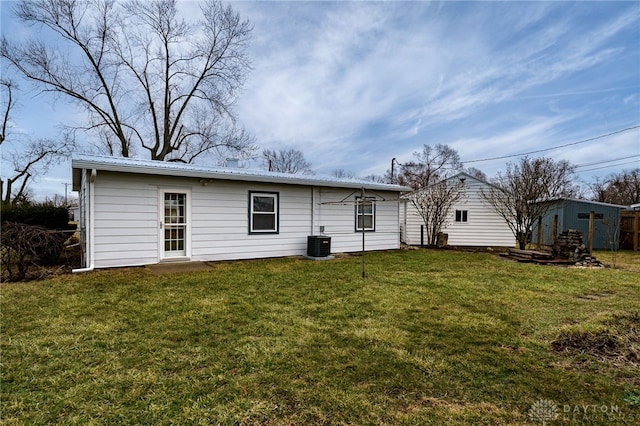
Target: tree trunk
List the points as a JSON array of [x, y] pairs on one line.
[[522, 240]]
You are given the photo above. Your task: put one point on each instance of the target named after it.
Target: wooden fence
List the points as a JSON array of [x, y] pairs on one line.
[[630, 230]]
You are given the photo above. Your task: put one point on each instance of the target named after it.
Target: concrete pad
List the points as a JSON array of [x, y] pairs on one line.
[[178, 267], [306, 256]]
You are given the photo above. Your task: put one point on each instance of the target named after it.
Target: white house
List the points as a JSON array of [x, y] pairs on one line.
[[135, 212], [472, 221]]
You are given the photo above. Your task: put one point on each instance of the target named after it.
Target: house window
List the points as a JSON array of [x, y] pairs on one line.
[[263, 212], [365, 214], [461, 215], [586, 216]]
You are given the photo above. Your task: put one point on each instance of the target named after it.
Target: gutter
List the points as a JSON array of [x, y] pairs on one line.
[[163, 168], [91, 226]]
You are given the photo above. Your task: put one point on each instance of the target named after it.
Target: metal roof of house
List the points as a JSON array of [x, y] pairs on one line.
[[164, 168]]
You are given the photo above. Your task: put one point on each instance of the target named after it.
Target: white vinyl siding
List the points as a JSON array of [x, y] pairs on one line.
[[127, 219], [338, 222], [483, 228], [220, 222]]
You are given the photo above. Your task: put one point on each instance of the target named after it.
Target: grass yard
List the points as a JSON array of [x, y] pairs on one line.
[[623, 259], [429, 337]]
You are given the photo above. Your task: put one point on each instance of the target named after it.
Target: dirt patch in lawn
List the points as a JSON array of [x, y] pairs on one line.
[[616, 341], [594, 296]]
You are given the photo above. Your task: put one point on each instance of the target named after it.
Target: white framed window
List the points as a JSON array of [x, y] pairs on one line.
[[263, 212], [461, 215], [365, 214]]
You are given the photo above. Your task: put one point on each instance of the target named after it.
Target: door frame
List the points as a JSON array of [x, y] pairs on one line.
[[160, 223]]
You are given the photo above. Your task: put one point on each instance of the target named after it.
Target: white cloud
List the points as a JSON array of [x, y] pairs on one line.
[[354, 84]]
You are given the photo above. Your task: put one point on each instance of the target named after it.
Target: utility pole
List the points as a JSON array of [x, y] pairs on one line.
[[66, 204], [392, 161]]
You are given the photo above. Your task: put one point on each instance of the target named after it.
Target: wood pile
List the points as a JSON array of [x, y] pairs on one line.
[[588, 261], [527, 255], [568, 245], [567, 250]]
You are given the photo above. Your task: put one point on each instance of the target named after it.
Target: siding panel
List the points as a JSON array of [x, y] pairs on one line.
[[127, 222], [484, 228]]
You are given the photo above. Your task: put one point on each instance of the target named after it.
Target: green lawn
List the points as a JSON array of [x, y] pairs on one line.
[[429, 337]]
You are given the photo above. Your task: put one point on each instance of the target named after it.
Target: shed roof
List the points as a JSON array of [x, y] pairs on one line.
[[576, 200], [164, 168], [634, 207]]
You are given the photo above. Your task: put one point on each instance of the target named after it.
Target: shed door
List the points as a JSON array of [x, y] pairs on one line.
[[173, 224]]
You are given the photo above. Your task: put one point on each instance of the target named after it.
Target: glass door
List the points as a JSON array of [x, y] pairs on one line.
[[174, 224]]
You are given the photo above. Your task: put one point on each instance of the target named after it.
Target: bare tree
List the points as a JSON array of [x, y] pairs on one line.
[[24, 159], [435, 193], [476, 173], [286, 161], [520, 193], [619, 188], [59, 200], [148, 79], [376, 178], [432, 165], [343, 174], [434, 204]]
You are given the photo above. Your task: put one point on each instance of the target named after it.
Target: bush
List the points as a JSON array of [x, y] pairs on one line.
[[26, 245], [47, 216]]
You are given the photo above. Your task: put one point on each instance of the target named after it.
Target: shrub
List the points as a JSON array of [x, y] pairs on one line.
[[26, 245], [44, 215]]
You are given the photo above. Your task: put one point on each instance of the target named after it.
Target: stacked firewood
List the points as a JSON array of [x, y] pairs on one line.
[[527, 255], [568, 245]]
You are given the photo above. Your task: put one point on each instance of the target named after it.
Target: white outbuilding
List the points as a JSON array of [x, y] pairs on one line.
[[137, 212], [471, 222]]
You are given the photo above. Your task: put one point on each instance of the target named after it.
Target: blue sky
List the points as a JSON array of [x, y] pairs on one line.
[[355, 84]]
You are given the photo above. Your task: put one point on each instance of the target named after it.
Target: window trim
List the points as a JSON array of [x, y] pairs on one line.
[[372, 200], [276, 213], [162, 190], [463, 217]]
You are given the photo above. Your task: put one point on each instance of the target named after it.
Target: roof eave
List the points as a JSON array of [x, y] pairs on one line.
[[228, 175]]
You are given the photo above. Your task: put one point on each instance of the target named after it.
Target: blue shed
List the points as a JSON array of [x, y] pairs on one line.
[[569, 213]]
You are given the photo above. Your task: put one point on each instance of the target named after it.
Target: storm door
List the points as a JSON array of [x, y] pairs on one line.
[[174, 224]]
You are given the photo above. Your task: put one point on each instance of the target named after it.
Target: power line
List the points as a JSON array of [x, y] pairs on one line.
[[595, 163], [610, 165], [555, 147]]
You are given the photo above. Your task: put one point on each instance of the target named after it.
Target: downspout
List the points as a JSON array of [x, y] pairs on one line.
[[313, 210], [90, 227]]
